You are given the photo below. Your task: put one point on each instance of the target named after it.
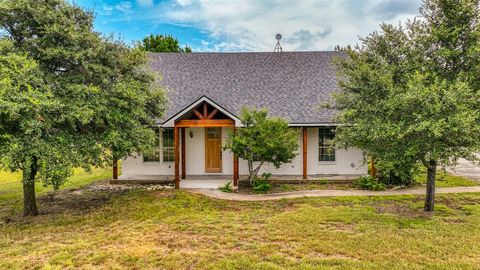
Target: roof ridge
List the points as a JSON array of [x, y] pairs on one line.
[[287, 52]]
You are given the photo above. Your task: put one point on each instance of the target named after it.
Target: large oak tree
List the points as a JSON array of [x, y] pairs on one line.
[[69, 97], [411, 93]]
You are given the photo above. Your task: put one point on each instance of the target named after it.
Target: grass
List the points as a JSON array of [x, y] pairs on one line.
[[177, 230], [445, 179]]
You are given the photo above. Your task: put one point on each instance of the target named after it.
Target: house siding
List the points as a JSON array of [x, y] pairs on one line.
[[195, 159]]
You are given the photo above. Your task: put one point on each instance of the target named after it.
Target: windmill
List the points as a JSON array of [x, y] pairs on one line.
[[278, 47]]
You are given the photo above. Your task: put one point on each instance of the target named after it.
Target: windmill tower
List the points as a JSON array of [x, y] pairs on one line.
[[278, 47]]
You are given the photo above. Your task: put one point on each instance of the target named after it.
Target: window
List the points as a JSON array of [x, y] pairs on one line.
[[326, 150], [155, 155], [167, 146]]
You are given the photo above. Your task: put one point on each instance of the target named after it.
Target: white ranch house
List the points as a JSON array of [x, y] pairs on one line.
[[206, 93]]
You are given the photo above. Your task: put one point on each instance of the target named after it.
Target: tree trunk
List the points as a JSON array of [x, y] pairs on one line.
[[115, 169], [29, 200], [253, 172], [430, 196]]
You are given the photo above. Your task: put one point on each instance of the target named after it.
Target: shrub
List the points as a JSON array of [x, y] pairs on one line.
[[261, 185], [369, 183], [227, 187], [399, 173], [323, 181]]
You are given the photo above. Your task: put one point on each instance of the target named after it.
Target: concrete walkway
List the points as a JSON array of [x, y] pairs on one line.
[[217, 194]]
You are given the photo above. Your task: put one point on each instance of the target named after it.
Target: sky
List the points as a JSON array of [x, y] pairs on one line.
[[249, 25]]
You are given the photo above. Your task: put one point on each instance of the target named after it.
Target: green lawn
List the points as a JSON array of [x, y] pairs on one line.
[[178, 230]]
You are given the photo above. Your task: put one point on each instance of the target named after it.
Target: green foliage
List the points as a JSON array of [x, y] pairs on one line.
[[322, 181], [263, 139], [68, 96], [227, 187], [261, 185], [369, 183], [162, 43], [396, 173], [410, 93]]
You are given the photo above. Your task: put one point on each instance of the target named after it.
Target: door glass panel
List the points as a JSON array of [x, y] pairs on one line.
[[213, 133]]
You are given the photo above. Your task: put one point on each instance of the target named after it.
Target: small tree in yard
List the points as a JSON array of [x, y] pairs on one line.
[[68, 97], [263, 139], [412, 93]]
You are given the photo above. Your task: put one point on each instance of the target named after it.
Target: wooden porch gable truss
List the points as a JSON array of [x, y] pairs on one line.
[[205, 115]]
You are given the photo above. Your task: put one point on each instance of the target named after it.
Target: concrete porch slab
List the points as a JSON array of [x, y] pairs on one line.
[[203, 184]]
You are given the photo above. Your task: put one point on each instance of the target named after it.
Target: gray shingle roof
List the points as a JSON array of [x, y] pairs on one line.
[[289, 84]]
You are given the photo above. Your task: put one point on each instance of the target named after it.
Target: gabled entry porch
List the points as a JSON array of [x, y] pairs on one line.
[[214, 121]]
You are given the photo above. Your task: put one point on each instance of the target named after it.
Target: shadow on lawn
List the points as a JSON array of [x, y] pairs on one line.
[[79, 201]]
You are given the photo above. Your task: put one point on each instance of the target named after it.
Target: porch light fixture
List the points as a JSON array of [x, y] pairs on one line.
[[190, 133]]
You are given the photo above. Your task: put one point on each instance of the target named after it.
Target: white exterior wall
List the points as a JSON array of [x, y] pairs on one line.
[[195, 159], [194, 154], [343, 159]]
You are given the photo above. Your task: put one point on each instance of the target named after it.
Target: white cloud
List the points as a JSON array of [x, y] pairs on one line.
[[106, 10], [124, 7], [145, 3], [305, 24], [184, 2]]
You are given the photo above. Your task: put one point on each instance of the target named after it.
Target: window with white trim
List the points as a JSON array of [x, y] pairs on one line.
[[326, 150], [167, 145]]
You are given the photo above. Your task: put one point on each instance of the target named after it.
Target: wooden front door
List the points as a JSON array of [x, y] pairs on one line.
[[213, 150]]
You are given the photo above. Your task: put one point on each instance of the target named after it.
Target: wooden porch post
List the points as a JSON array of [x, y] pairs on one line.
[[177, 157], [235, 165], [373, 171], [184, 168], [305, 145], [115, 169]]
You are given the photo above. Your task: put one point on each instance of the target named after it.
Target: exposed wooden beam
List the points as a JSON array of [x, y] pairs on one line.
[[184, 168], [177, 157], [206, 123], [305, 146], [212, 114], [235, 165], [198, 114], [205, 111]]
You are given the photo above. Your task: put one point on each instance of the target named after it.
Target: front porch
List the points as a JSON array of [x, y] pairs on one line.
[[206, 115]]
